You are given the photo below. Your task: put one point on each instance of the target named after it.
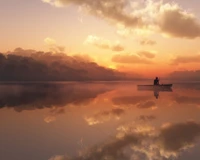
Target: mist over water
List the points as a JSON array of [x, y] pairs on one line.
[[99, 120]]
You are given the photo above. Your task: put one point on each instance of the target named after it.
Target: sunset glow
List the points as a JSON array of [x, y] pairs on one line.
[[147, 38]]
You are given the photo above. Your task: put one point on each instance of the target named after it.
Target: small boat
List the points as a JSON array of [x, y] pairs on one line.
[[161, 87]]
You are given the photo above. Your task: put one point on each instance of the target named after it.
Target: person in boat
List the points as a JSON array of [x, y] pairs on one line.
[[156, 81]]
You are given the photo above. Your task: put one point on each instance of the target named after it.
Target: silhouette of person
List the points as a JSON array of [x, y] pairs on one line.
[[156, 94], [156, 81]]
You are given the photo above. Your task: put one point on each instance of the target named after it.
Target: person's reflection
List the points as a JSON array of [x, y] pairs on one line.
[[156, 94], [156, 91]]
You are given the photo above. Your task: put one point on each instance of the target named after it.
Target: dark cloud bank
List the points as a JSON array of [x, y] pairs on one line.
[[185, 75], [31, 65]]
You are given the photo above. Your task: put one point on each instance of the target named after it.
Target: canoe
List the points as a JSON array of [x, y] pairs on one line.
[[161, 87]]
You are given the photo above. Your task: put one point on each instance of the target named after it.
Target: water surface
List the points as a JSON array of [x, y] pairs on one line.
[[97, 121]]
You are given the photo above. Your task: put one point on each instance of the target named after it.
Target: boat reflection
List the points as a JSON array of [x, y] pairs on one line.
[[156, 91]]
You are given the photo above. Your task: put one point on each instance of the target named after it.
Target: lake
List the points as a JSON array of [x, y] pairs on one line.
[[98, 121]]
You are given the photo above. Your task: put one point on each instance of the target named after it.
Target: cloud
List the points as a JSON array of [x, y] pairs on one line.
[[110, 10], [177, 22], [53, 47], [49, 41], [21, 52], [186, 59], [103, 43], [146, 118], [124, 32], [117, 47], [147, 42], [145, 17], [53, 3], [146, 54], [130, 59], [99, 42], [168, 19], [22, 64], [185, 75], [117, 111], [83, 58]]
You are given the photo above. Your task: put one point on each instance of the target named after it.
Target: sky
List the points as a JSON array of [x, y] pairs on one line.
[[150, 37]]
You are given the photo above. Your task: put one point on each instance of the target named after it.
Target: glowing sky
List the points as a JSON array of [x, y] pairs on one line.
[[147, 37]]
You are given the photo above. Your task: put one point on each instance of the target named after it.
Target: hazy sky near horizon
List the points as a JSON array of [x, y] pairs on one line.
[[129, 35]]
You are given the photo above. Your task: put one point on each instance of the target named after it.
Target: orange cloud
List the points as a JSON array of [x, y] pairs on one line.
[[186, 59], [146, 54], [147, 42], [185, 75], [52, 45], [103, 43], [118, 47], [130, 59], [146, 118]]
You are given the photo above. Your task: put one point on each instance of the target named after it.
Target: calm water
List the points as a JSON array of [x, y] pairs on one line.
[[99, 121]]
